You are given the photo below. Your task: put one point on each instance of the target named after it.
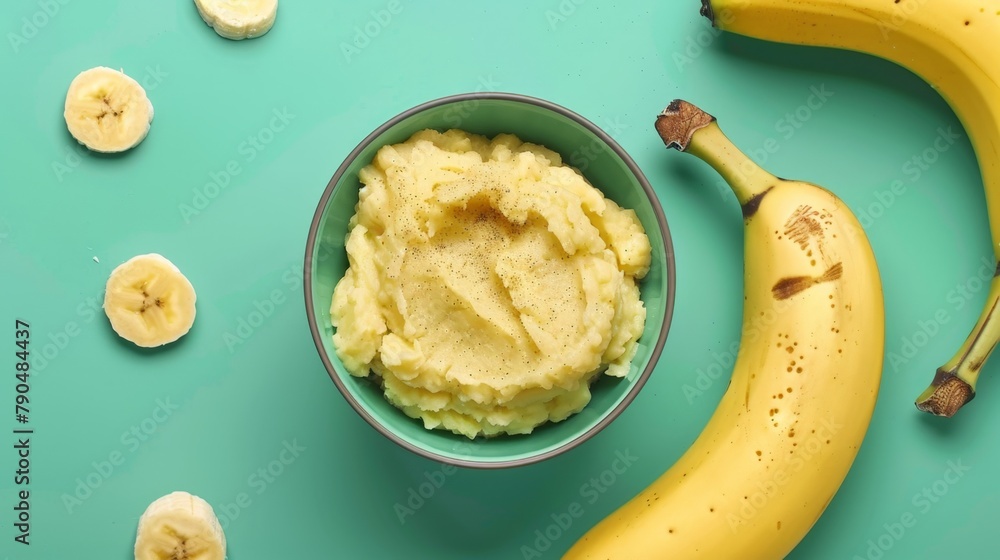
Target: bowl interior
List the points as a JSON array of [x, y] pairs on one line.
[[326, 262]]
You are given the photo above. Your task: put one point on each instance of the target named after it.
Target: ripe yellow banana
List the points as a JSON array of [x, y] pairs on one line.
[[951, 44], [803, 387]]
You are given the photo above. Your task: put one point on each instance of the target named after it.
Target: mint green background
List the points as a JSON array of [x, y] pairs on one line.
[[616, 64]]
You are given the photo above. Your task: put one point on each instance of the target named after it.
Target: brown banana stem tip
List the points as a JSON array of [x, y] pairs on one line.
[[679, 121], [707, 11], [950, 394]]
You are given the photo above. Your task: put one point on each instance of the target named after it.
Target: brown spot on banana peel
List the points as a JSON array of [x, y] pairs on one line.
[[802, 225], [950, 394], [746, 399], [788, 287], [751, 206], [977, 364], [997, 271], [968, 351]]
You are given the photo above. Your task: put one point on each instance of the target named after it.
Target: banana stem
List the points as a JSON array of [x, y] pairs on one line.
[[687, 128], [954, 384]]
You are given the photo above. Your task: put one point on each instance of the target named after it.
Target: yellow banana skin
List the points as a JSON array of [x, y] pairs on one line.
[[803, 387], [951, 44]]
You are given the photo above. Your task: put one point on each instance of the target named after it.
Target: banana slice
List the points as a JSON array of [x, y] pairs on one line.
[[238, 19], [107, 111], [179, 526], [149, 301]]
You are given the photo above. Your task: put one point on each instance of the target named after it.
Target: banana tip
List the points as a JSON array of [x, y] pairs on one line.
[[706, 10], [946, 396], [679, 121]]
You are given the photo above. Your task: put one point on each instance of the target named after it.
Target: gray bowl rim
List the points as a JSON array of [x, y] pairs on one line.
[[668, 252]]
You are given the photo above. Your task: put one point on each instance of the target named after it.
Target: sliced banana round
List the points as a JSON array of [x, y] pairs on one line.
[[179, 526], [107, 111], [149, 301], [238, 19]]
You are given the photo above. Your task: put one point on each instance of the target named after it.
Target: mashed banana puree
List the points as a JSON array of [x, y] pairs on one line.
[[488, 283]]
